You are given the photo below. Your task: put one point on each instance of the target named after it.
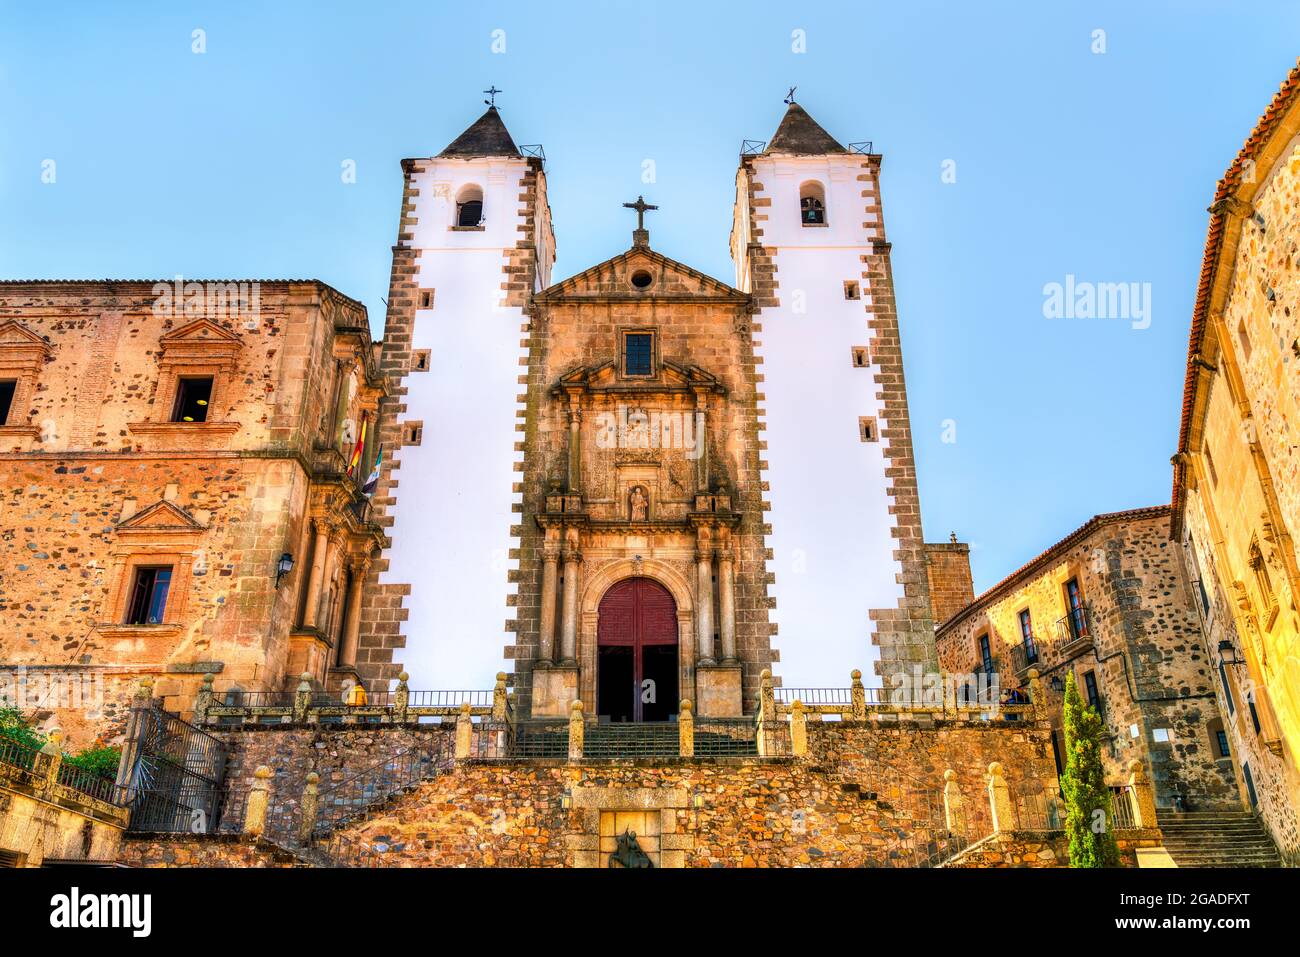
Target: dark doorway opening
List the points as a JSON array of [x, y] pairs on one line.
[[637, 662]]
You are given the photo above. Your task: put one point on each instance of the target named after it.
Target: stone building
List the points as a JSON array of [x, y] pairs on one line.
[[1112, 603], [1236, 497], [168, 450], [663, 425]]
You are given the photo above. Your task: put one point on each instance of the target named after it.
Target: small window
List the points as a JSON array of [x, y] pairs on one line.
[[1254, 714], [812, 204], [149, 596], [469, 208], [1160, 735], [1221, 749], [861, 357], [192, 397], [638, 353], [426, 298], [851, 290], [1244, 338], [413, 433], [1250, 785], [1027, 637], [1090, 690], [642, 279], [420, 360], [986, 655], [1227, 689], [7, 389], [867, 428]]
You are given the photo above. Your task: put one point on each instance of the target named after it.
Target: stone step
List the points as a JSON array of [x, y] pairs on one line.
[[1217, 839]]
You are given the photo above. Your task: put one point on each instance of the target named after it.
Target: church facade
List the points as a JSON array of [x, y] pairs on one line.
[[663, 515]]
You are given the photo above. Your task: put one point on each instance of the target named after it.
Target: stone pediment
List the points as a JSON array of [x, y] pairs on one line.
[[19, 343], [671, 377], [613, 280], [161, 516], [200, 341]]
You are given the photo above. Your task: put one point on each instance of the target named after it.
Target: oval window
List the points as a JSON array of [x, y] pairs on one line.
[[641, 279]]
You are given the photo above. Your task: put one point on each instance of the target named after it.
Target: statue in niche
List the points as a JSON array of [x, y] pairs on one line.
[[628, 853], [638, 504]]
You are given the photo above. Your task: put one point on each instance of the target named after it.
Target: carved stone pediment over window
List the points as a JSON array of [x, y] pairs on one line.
[[201, 341], [22, 356], [672, 377], [201, 349]]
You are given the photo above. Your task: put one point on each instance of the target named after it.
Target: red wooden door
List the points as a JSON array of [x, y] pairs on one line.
[[637, 613]]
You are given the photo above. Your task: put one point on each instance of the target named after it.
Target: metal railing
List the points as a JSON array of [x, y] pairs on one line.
[[449, 699], [1121, 803], [644, 739], [354, 794], [728, 737], [532, 150], [87, 782], [1076, 626], [862, 147], [841, 697], [24, 763], [1024, 655]]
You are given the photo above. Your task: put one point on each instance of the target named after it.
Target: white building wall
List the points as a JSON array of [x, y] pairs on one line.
[[453, 512], [829, 507]]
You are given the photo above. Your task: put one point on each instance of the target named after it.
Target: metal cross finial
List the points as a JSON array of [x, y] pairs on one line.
[[492, 93], [641, 206], [789, 97]]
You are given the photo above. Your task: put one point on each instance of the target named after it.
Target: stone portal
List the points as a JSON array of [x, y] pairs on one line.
[[637, 660]]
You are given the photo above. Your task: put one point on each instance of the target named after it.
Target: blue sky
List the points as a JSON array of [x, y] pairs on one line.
[[1068, 162]]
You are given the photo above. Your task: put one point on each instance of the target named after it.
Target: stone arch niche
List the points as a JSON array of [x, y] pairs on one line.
[[606, 577]]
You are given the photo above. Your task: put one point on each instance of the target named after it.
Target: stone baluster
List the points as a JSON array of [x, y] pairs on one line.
[[499, 698], [310, 806], [1143, 795], [953, 813], [685, 730], [203, 700], [401, 698], [1000, 799], [857, 695], [52, 750], [302, 698], [798, 730], [464, 732], [259, 797], [576, 729]]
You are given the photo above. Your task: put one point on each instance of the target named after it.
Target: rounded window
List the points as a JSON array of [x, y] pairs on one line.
[[642, 279]]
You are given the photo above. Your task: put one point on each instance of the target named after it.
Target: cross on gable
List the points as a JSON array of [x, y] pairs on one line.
[[640, 236]]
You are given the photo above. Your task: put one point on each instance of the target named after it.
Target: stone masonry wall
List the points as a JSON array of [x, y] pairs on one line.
[[947, 566]]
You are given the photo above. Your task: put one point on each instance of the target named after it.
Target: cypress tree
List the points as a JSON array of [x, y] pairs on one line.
[[1089, 818]]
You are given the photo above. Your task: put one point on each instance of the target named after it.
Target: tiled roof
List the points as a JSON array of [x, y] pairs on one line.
[[1049, 555], [1228, 185], [486, 136], [800, 133]]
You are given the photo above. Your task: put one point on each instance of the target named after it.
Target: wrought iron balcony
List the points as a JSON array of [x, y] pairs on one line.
[[1075, 627], [1025, 656]]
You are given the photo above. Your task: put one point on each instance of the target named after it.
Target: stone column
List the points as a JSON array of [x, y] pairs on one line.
[[575, 445], [352, 625], [954, 817], [798, 730], [1144, 795], [704, 600], [702, 442], [576, 729], [317, 578], [546, 629], [685, 730], [1000, 800], [258, 798], [726, 600], [569, 624]]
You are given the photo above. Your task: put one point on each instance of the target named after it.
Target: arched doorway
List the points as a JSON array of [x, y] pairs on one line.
[[636, 652]]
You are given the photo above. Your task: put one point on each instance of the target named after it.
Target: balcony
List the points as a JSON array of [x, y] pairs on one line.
[[1074, 631], [1024, 656]]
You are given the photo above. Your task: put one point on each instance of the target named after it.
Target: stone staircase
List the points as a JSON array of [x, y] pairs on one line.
[[1217, 839]]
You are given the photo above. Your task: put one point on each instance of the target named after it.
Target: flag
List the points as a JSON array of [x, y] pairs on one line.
[[361, 444], [369, 487]]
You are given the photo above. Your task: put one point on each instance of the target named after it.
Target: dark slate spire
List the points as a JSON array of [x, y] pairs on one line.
[[799, 133], [487, 136]]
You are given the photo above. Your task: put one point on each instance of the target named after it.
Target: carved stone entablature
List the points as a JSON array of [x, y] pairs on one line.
[[672, 378]]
